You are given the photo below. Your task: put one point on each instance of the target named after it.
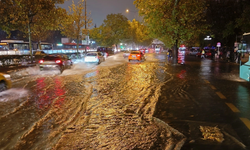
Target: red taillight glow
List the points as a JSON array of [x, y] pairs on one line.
[[41, 61], [58, 61]]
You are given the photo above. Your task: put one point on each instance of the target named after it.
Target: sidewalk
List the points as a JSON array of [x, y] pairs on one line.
[[194, 98]]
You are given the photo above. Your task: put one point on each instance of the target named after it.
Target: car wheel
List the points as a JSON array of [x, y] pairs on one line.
[[61, 69], [3, 86], [129, 60]]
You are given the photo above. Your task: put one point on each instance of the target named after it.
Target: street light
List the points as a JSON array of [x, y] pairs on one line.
[[135, 13]]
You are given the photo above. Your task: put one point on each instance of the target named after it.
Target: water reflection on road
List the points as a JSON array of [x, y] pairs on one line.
[[109, 107]]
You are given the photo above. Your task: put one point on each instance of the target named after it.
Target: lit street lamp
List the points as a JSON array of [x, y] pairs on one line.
[[135, 13]]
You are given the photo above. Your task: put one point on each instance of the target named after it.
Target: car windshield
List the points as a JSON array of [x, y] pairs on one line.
[[91, 54]]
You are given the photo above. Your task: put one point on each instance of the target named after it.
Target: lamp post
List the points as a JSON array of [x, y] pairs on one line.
[[135, 12]]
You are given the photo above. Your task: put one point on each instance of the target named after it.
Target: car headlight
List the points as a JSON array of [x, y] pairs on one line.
[[7, 76]]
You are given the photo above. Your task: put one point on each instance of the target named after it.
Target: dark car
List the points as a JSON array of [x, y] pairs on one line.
[[59, 62], [207, 53]]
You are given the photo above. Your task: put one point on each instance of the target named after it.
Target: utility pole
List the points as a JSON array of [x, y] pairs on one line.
[[85, 19], [85, 14], [175, 51]]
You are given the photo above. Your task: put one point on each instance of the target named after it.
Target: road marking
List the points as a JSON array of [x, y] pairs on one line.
[[207, 81], [221, 95], [212, 87], [233, 108], [246, 122]]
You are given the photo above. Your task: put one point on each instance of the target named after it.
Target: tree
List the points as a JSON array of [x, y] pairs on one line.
[[43, 30], [243, 22], [23, 15], [222, 16], [139, 33], [173, 21], [96, 35], [114, 29], [76, 20]]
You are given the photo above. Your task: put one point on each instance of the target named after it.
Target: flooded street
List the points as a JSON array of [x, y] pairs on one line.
[[127, 105], [106, 106]]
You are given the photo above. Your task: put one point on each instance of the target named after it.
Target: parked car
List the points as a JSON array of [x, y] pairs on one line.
[[5, 82], [207, 53], [59, 62], [126, 53], [193, 52], [94, 57], [136, 55]]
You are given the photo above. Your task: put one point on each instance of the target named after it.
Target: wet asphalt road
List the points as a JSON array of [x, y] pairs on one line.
[[106, 106], [205, 92], [114, 105]]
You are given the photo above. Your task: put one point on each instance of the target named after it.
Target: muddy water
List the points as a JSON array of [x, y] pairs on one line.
[[110, 108]]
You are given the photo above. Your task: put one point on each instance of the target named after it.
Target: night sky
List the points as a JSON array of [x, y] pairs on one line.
[[101, 8]]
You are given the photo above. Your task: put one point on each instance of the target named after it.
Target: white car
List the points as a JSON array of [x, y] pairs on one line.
[[94, 57]]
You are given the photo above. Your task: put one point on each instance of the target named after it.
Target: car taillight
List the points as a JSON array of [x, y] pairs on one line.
[[138, 55], [58, 61], [41, 61]]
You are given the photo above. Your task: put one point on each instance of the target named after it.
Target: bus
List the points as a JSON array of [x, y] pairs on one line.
[[20, 47], [14, 47]]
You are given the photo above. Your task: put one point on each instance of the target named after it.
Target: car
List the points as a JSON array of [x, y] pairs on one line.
[[193, 52], [67, 58], [136, 55], [5, 82], [126, 53], [94, 57], [207, 53], [56, 61], [39, 55]]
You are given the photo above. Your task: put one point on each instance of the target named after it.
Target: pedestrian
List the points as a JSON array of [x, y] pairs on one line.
[[202, 53], [212, 53], [228, 56]]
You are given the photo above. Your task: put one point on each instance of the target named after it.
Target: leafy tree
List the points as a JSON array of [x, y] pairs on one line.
[[43, 30], [96, 35], [23, 15], [139, 33], [222, 16], [76, 20], [173, 21], [243, 22], [114, 29]]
